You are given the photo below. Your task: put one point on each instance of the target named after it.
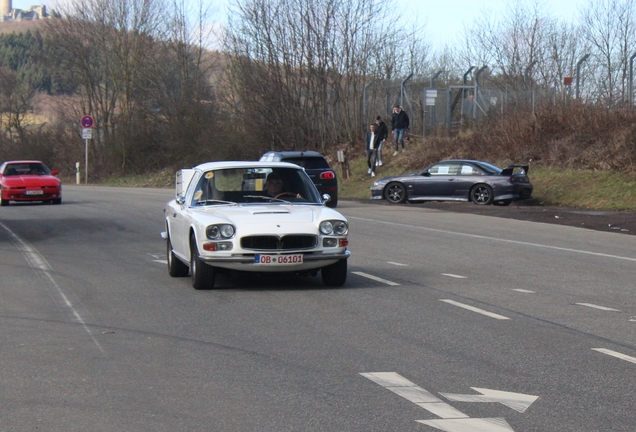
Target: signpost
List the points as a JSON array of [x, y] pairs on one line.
[[87, 133]]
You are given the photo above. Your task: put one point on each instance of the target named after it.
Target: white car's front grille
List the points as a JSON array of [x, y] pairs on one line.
[[274, 243]]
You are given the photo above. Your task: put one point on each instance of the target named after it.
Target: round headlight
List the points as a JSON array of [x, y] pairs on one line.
[[326, 227], [340, 228], [212, 232], [227, 231]]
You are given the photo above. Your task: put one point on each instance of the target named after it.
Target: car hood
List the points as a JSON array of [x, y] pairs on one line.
[[31, 180], [268, 218]]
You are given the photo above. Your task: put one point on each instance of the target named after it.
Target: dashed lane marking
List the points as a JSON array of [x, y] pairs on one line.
[[474, 309], [523, 291], [615, 354], [598, 307], [397, 264], [454, 276], [375, 278]]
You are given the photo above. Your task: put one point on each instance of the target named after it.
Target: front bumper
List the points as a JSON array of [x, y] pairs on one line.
[[249, 259]]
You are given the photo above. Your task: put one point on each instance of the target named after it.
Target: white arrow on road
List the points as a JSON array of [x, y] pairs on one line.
[[517, 401]]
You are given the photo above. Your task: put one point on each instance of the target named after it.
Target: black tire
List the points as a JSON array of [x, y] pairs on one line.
[[395, 193], [335, 274], [3, 202], [481, 194], [333, 202], [57, 201], [202, 274], [176, 268], [504, 203]]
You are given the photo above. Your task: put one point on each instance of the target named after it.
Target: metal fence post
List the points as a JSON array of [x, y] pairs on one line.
[[631, 82], [578, 70]]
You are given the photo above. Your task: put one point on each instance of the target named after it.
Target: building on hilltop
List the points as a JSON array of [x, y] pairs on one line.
[[7, 13]]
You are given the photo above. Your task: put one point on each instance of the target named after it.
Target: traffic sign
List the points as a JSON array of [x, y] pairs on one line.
[[87, 122], [87, 133]]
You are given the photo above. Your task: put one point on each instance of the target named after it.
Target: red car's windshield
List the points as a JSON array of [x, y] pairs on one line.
[[26, 168]]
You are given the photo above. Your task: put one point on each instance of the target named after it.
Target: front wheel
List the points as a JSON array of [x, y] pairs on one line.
[[176, 268], [57, 201], [4, 202], [395, 193], [481, 194], [202, 274], [335, 274]]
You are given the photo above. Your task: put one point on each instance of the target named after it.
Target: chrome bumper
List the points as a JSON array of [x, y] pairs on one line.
[[250, 258]]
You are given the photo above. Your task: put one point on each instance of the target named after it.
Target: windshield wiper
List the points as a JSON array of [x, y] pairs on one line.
[[213, 201], [270, 199]]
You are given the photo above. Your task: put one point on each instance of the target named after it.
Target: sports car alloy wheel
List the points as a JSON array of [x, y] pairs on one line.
[[395, 193], [202, 274], [175, 267], [481, 194]]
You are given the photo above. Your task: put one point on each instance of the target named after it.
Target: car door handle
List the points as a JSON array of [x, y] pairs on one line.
[[174, 214]]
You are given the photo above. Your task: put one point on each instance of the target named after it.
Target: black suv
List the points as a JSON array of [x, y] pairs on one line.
[[316, 166]]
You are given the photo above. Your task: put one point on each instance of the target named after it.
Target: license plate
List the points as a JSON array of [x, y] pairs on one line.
[[34, 192], [283, 260]]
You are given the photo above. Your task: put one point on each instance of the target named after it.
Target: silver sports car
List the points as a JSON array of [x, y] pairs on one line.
[[457, 180]]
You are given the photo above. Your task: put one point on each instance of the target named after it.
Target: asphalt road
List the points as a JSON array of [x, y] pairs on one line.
[[448, 321]]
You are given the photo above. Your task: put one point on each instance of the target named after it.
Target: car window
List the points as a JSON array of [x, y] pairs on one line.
[[26, 168], [489, 168], [469, 170], [444, 169], [247, 185], [308, 162]]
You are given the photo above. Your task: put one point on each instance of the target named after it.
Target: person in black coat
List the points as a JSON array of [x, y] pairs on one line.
[[383, 133], [399, 125], [371, 143]]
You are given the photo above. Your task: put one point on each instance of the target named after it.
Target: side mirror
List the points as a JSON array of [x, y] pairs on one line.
[[326, 198], [55, 172], [425, 173], [180, 199]]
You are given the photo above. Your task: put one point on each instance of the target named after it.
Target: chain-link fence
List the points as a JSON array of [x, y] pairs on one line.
[[432, 110]]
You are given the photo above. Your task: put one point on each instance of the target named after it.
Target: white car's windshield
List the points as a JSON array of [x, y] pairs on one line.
[[255, 185]]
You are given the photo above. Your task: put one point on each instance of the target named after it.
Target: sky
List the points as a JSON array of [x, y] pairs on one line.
[[444, 18]]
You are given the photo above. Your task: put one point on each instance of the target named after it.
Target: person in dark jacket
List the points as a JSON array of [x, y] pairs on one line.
[[383, 133], [399, 125], [371, 143]]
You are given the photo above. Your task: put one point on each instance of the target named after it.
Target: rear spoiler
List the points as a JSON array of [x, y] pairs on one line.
[[523, 170]]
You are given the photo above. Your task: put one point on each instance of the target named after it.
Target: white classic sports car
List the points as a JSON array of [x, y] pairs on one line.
[[254, 217]]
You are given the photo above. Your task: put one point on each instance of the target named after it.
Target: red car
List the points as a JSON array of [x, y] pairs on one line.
[[29, 180]]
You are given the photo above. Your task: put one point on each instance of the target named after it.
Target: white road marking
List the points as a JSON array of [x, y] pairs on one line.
[[415, 227], [597, 307], [414, 393], [451, 419], [38, 262], [375, 278], [397, 264], [161, 261], [615, 354], [474, 309], [523, 291], [517, 401], [454, 276]]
